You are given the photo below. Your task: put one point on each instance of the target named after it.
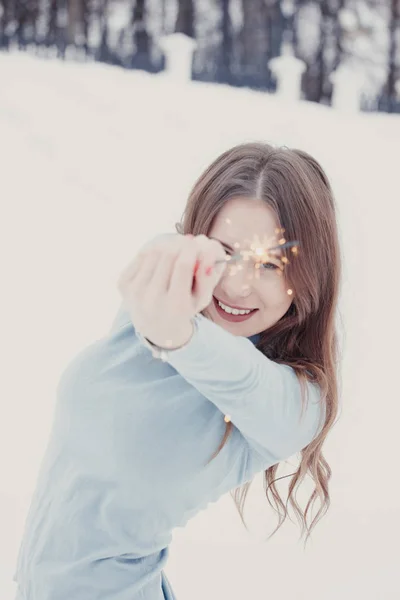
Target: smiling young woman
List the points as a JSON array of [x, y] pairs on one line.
[[258, 189], [132, 454]]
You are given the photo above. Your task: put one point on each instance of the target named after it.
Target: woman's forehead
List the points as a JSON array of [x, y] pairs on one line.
[[246, 223]]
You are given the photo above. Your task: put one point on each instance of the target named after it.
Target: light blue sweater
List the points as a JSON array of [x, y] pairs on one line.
[[126, 459]]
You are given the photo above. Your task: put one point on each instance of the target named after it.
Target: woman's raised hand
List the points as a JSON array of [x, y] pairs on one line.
[[170, 280]]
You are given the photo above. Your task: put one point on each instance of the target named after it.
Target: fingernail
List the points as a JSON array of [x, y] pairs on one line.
[[196, 266]]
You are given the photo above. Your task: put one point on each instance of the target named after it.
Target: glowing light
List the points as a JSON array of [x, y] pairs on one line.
[[290, 292], [227, 418], [261, 251], [232, 269]]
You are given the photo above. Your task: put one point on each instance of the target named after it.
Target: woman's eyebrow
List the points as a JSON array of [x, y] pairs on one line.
[[276, 253], [227, 246]]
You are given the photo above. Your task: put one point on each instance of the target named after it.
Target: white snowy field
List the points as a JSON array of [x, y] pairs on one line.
[[94, 161]]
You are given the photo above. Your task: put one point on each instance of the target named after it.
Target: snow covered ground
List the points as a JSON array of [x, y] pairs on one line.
[[95, 160]]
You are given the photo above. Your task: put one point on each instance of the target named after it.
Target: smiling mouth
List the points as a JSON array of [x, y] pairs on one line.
[[235, 307], [233, 318]]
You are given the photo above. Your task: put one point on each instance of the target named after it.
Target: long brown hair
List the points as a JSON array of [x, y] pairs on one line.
[[294, 185]]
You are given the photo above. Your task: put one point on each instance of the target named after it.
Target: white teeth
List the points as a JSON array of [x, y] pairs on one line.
[[233, 311]]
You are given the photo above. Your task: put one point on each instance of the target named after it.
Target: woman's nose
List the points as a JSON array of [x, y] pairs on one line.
[[237, 281]]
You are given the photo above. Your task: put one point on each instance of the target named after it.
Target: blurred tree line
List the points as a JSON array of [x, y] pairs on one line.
[[235, 38]]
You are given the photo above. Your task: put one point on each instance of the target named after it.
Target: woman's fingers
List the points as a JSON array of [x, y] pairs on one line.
[[180, 268], [181, 282], [211, 251], [145, 258], [209, 273], [162, 275], [165, 267], [143, 277], [130, 270], [196, 260]]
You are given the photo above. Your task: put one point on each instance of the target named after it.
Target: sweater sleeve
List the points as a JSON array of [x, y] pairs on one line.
[[261, 397]]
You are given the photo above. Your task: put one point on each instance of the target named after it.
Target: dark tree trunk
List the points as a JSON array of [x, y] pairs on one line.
[[141, 36], [141, 59], [338, 36], [320, 74], [103, 53], [185, 18], [329, 54], [224, 61], [260, 40], [394, 32], [59, 7], [26, 16], [52, 33], [163, 27], [276, 29], [74, 19], [85, 24], [6, 17]]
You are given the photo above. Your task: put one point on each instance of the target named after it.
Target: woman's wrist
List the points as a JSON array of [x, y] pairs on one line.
[[179, 341]]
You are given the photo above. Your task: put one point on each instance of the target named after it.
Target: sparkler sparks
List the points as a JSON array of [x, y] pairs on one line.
[[262, 252]]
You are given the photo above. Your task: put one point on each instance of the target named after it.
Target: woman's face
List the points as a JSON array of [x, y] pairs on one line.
[[239, 221]]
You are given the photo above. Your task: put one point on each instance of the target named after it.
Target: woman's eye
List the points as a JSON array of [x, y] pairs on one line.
[[269, 266]]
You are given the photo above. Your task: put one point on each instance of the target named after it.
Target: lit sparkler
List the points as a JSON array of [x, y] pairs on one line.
[[262, 252]]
